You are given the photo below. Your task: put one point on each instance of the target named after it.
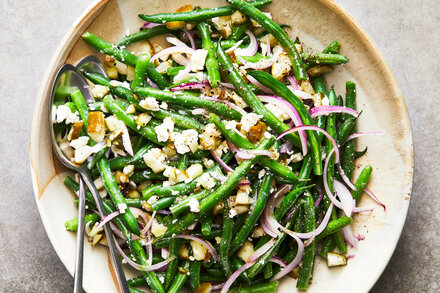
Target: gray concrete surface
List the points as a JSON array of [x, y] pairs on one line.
[[405, 31]]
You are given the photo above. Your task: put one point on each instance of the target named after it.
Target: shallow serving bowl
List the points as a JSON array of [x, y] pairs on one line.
[[316, 22]]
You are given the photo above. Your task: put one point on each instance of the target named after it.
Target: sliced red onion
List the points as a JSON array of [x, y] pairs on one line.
[[293, 114], [138, 212], [148, 224], [221, 163], [251, 49], [150, 24], [234, 47], [189, 86], [227, 103], [325, 180], [260, 251], [190, 38], [139, 267], [163, 212], [151, 83], [287, 146], [205, 243], [360, 237], [279, 261], [302, 94], [374, 197], [182, 73], [173, 50], [294, 263], [261, 64], [321, 196], [150, 249], [116, 231], [327, 110], [164, 252], [345, 197], [217, 287], [349, 237], [344, 177], [234, 277], [268, 222], [227, 85], [126, 141], [362, 209], [107, 218], [359, 134], [259, 85], [293, 82]]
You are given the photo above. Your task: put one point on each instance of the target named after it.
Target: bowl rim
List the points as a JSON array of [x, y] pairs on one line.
[[85, 19]]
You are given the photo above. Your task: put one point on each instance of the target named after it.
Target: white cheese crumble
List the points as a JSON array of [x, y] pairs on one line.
[[186, 141], [155, 159], [63, 113], [163, 130], [128, 170], [198, 60], [232, 213], [206, 181], [194, 205], [248, 120], [122, 207], [99, 91], [150, 104]]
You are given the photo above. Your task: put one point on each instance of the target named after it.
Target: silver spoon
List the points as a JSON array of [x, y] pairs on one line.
[[69, 78], [78, 274]]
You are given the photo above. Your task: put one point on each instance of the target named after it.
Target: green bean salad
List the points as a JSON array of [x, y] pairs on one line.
[[224, 161]]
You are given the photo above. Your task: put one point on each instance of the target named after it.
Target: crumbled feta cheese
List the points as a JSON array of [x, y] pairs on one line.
[[163, 131], [232, 213], [277, 111], [99, 91], [198, 60], [281, 67], [325, 101], [128, 170], [63, 113], [162, 68], [150, 104], [210, 137], [154, 159], [248, 120], [237, 99], [152, 199], [164, 106], [116, 83], [194, 205], [199, 111], [206, 181], [230, 124], [186, 141], [122, 207], [79, 142]]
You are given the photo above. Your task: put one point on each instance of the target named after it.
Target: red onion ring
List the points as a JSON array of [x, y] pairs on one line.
[[327, 110], [151, 83], [374, 197], [107, 218], [279, 261], [321, 196], [227, 85], [287, 146], [293, 82], [190, 38], [148, 224], [189, 86], [251, 49], [126, 142], [205, 243], [359, 134], [234, 47], [293, 114], [221, 163], [150, 24], [261, 64], [345, 197], [294, 263], [349, 237]]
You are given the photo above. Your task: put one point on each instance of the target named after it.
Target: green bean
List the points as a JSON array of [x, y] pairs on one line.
[[198, 15], [171, 270], [241, 142], [173, 71], [136, 281], [332, 48], [162, 203], [206, 223], [281, 90], [95, 158], [350, 146], [183, 205], [125, 57], [305, 274], [319, 83], [181, 278], [323, 58], [289, 201], [211, 59], [255, 214], [361, 182], [345, 130], [140, 70], [188, 100], [225, 242], [143, 34], [331, 129], [270, 287], [220, 193], [115, 194], [238, 31], [72, 225], [134, 290], [327, 246], [237, 263], [183, 162], [194, 274], [268, 270], [141, 176], [361, 153], [277, 32], [207, 278], [335, 226]]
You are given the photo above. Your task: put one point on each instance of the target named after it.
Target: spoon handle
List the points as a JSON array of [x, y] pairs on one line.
[[108, 233], [78, 274]]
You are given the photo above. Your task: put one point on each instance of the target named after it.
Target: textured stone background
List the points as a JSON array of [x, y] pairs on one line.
[[405, 31]]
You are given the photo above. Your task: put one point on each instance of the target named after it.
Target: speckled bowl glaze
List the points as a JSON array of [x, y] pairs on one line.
[[316, 22]]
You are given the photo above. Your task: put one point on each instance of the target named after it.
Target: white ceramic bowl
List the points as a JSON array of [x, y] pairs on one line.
[[316, 22]]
